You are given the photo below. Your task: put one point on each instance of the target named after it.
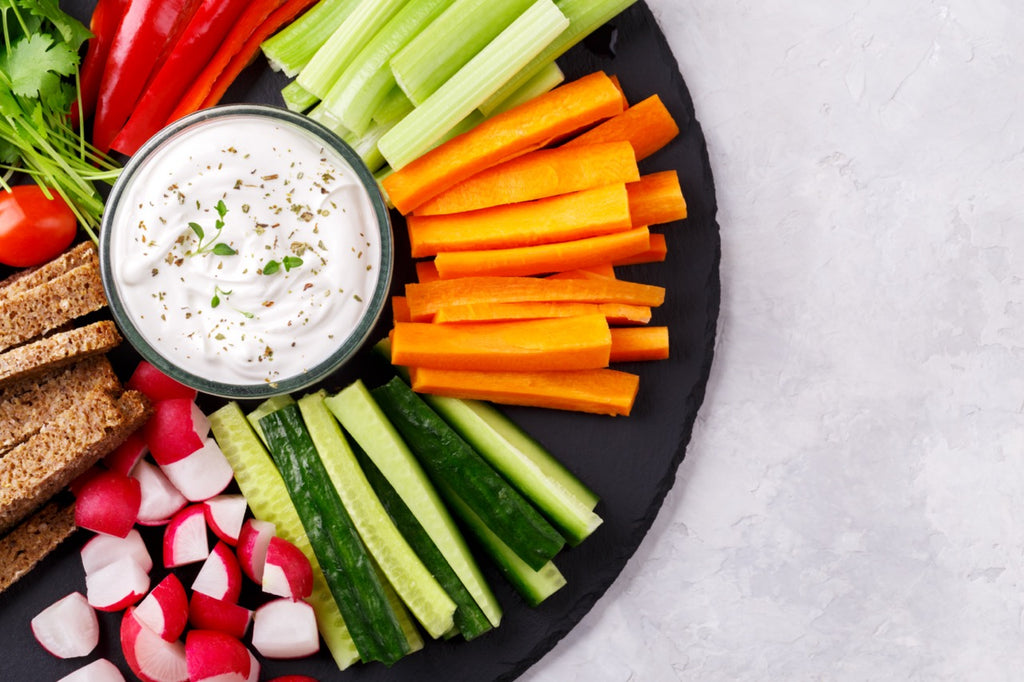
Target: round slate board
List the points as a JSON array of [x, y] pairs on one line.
[[630, 462]]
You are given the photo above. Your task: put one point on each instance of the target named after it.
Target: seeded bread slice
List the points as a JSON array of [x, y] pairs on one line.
[[23, 280], [31, 540], [57, 350]]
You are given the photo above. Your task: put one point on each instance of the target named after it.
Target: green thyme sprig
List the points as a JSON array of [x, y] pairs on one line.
[[289, 263], [212, 246]]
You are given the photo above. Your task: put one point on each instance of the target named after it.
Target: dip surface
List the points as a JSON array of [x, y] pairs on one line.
[[244, 250]]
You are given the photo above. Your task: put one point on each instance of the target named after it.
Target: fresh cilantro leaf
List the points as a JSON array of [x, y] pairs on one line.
[[35, 64], [72, 31]]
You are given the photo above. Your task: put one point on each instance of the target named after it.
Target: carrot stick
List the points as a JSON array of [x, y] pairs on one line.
[[400, 310], [588, 213], [599, 391], [615, 80], [427, 298], [657, 253], [604, 270], [630, 344], [614, 313], [656, 198], [539, 174], [543, 258], [647, 125], [528, 126], [582, 342], [426, 271]]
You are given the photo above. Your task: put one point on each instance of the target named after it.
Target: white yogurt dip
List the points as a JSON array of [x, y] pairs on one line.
[[244, 250]]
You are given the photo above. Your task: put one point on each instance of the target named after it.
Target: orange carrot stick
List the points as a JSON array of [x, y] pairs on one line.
[[604, 270], [657, 253], [615, 80], [588, 213], [582, 342], [647, 125], [400, 310], [426, 271], [539, 174], [614, 313], [656, 198], [528, 126], [599, 391], [630, 344], [543, 258], [427, 298]]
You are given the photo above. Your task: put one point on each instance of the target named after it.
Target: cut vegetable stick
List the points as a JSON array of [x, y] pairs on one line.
[[427, 298], [630, 344], [544, 258], [539, 174], [400, 310], [614, 313], [605, 270], [656, 199], [426, 271], [528, 126], [577, 215], [600, 391], [547, 79], [530, 345], [647, 125], [657, 252], [625, 102]]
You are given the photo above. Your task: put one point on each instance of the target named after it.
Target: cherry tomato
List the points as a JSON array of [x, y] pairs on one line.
[[33, 228]]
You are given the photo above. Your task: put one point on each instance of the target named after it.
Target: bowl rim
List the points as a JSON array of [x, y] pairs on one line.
[[352, 343]]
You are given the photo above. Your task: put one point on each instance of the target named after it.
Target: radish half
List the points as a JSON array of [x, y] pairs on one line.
[[285, 629], [253, 541], [209, 613], [165, 608], [202, 473], [185, 540], [225, 515], [150, 657], [156, 385], [160, 498], [102, 550], [126, 455], [68, 628], [100, 670], [213, 655], [220, 576], [109, 503], [287, 572], [176, 429], [117, 585]]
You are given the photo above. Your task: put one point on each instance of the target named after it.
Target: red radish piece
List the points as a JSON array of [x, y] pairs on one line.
[[287, 572], [100, 670], [224, 516], [253, 541], [213, 655], [202, 473], [254, 668], [158, 386], [126, 455], [150, 657], [283, 628], [109, 503], [185, 540], [68, 628], [293, 678], [165, 608], [176, 429], [106, 549], [220, 576], [209, 613], [117, 585], [79, 482], [160, 498]]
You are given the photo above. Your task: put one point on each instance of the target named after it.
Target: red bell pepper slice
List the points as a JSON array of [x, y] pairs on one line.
[[106, 17], [196, 45], [142, 38]]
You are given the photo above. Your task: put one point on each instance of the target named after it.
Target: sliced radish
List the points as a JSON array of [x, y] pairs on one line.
[[202, 473], [68, 628], [213, 655], [79, 481], [126, 455], [156, 385], [283, 628], [176, 429], [165, 608], [109, 503], [220, 576], [253, 541], [224, 516], [287, 572], [185, 540], [254, 668], [209, 613], [160, 498], [150, 657], [102, 550], [100, 670], [117, 585]]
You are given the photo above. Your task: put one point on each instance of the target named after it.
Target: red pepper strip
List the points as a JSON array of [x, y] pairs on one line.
[[146, 32], [195, 47], [106, 17]]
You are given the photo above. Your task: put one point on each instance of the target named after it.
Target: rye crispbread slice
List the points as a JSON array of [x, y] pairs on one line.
[[57, 350], [30, 541]]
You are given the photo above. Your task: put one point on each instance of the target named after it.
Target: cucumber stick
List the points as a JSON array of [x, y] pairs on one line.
[[362, 418], [412, 581], [264, 490], [269, 405], [341, 553]]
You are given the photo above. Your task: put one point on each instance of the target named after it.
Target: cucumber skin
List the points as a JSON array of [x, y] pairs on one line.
[[373, 625], [447, 457]]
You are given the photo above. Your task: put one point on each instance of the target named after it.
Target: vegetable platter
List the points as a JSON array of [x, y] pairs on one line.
[[629, 462]]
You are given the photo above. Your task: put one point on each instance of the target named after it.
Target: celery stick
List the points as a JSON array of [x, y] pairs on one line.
[[548, 78], [475, 82], [394, 108], [444, 47], [327, 119], [367, 80], [585, 16], [365, 145], [334, 56], [298, 98], [293, 46]]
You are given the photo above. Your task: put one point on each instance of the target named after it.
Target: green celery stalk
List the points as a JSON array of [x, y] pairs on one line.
[[334, 56], [298, 98], [293, 46], [585, 16], [394, 107], [444, 47], [547, 79], [368, 79], [481, 77]]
